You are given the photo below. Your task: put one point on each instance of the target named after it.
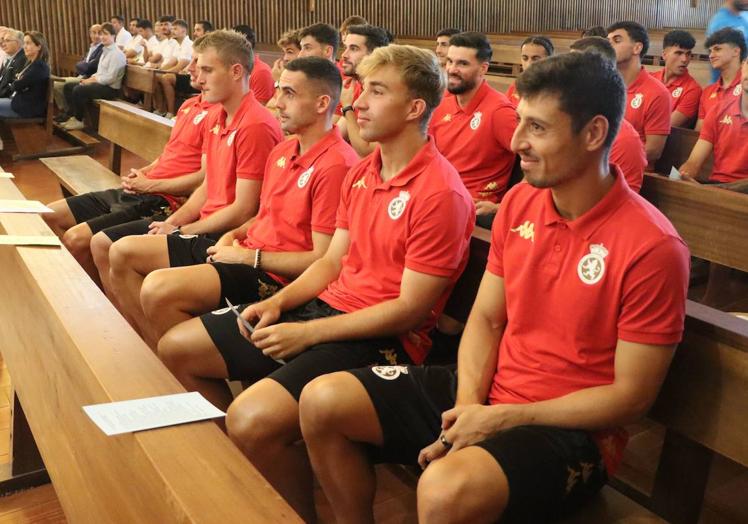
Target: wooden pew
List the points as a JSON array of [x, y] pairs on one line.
[[66, 347], [138, 78], [677, 149]]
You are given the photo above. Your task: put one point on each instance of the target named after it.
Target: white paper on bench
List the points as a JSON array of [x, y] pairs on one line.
[[674, 174], [23, 206], [114, 418], [29, 240], [4, 174]]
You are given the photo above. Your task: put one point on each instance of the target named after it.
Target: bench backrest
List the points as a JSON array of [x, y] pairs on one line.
[[140, 79], [133, 129], [677, 149]]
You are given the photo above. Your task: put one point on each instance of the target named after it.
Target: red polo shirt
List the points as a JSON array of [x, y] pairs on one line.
[[685, 93], [648, 106], [420, 219], [714, 93], [512, 95], [237, 150], [574, 288], [477, 140], [727, 130], [183, 152], [300, 194], [261, 81], [628, 153]]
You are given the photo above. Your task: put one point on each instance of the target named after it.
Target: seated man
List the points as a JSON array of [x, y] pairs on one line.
[[569, 338], [473, 125], [86, 67], [290, 46], [164, 95], [134, 48], [648, 101], [15, 62], [261, 82], [293, 228], [684, 90], [154, 189], [166, 47], [403, 230], [121, 35], [241, 134], [442, 44], [202, 27], [532, 49], [320, 40], [727, 49], [149, 42]]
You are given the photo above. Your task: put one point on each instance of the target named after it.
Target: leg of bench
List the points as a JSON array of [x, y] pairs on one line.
[[681, 479], [115, 158], [26, 469]]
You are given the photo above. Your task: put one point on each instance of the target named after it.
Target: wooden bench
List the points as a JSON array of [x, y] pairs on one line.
[[66, 346], [142, 79], [677, 149]]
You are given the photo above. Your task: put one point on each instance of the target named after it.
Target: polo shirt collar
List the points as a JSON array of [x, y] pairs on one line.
[[640, 78], [415, 167], [733, 84], [480, 94], [244, 107], [600, 213], [306, 160]]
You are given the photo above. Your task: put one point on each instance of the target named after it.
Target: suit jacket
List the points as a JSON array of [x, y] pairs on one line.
[[86, 68], [30, 91], [9, 73]]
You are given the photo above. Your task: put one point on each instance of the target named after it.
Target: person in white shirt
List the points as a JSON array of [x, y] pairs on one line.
[[165, 93], [122, 37], [134, 48], [150, 41], [166, 45]]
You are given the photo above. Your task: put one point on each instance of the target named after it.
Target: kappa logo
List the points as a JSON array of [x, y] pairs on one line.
[[738, 89], [281, 162], [447, 118], [304, 177], [713, 95], [216, 129], [677, 92], [389, 372], [360, 184], [231, 137], [397, 205], [199, 117], [636, 102], [475, 122], [525, 231], [727, 120], [591, 267]]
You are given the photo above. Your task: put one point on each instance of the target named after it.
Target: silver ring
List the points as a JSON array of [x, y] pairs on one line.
[[444, 441]]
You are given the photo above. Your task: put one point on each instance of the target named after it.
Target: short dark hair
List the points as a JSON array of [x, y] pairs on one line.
[[375, 36], [109, 28], [679, 38], [119, 18], [207, 25], [353, 20], [587, 85], [473, 40], [145, 24], [322, 33], [449, 31], [596, 30], [540, 40], [136, 19], [167, 18], [636, 32], [321, 71], [182, 23], [248, 33], [595, 44], [728, 35]]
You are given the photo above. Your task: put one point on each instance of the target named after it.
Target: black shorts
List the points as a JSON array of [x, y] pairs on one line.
[[136, 227], [245, 362], [183, 85], [189, 250], [103, 209], [551, 471], [243, 284]]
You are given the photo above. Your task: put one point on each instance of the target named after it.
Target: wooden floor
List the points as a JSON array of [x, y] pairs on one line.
[[726, 494]]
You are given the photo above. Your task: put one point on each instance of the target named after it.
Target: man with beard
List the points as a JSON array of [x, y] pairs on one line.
[[727, 48], [474, 124], [684, 90], [360, 41]]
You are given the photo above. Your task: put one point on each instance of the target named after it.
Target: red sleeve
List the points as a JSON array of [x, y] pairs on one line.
[[326, 197], [438, 239], [653, 301], [504, 124], [262, 84], [629, 155], [689, 104], [709, 128], [341, 215], [498, 233], [253, 146], [702, 104], [657, 119]]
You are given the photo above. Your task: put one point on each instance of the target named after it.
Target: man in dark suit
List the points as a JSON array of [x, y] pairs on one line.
[[12, 45]]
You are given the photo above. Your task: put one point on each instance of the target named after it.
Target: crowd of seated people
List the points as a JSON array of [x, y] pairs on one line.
[[332, 196]]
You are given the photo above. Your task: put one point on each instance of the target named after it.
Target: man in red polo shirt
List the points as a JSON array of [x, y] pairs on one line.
[[84, 222], [648, 101], [261, 80], [569, 338], [320, 40], [293, 228], [239, 139], [532, 49], [727, 49], [402, 232], [360, 41], [685, 92], [473, 125]]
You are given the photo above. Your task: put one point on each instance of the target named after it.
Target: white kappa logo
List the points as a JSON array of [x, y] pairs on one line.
[[636, 102], [591, 267], [199, 117], [738, 89], [475, 122], [677, 92], [231, 137], [304, 177], [397, 205], [389, 372]]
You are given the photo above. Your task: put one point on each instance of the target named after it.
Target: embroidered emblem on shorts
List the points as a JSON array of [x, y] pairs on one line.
[[475, 122], [221, 311], [281, 162], [360, 183], [389, 372], [199, 117], [525, 231], [187, 237], [390, 355], [636, 102], [304, 177], [738, 89], [231, 137], [677, 92], [397, 205], [265, 290], [591, 267]]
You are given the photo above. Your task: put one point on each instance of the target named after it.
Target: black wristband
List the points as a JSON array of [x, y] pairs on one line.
[[346, 109]]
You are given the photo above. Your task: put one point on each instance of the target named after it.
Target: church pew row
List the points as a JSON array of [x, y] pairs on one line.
[[66, 346]]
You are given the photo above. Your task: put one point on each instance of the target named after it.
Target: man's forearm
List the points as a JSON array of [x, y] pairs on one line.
[[179, 186], [476, 358], [222, 220], [309, 285]]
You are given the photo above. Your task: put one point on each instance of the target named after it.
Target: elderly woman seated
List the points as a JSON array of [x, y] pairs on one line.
[[28, 93]]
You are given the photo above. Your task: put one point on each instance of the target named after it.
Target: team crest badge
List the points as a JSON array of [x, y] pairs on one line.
[[389, 372], [397, 205], [677, 92], [231, 137], [738, 89], [199, 117], [591, 267], [475, 122], [304, 177], [636, 102]]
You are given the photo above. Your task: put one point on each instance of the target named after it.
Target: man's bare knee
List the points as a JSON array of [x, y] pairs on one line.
[[100, 244], [158, 290], [77, 239], [440, 489], [319, 405], [121, 252]]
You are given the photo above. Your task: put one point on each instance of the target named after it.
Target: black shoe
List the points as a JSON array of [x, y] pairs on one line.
[[62, 117]]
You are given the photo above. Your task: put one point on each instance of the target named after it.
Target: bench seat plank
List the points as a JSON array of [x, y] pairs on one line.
[[81, 174]]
